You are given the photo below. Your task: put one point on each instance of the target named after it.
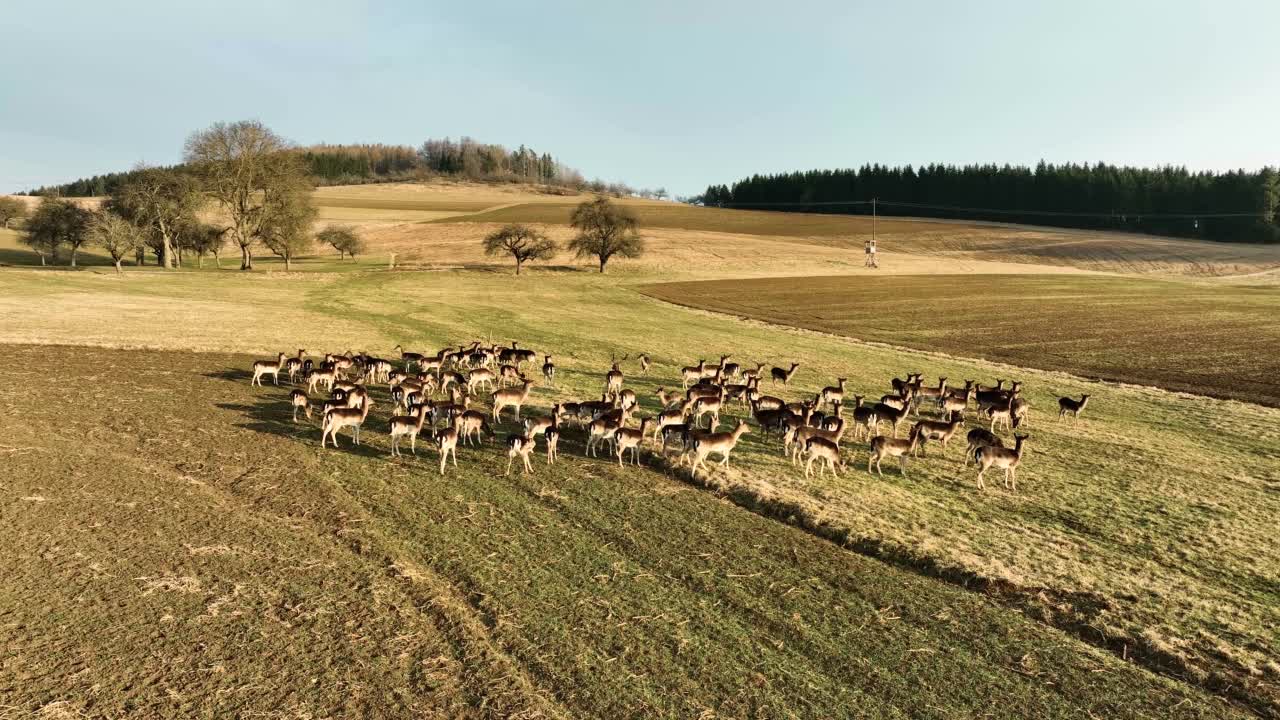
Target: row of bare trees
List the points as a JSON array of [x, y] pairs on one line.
[[261, 192], [605, 230]]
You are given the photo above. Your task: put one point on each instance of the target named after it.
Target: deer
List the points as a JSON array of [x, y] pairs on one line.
[[890, 414], [552, 436], [602, 429], [778, 375], [447, 444], [1002, 415], [519, 445], [613, 381], [478, 377], [938, 430], [677, 434], [410, 359], [628, 398], [795, 440], [883, 447], [990, 456], [410, 425], [549, 370], [267, 367], [509, 375], [338, 418], [533, 427], [980, 437], [926, 393], [954, 402], [864, 418], [828, 452], [667, 418], [645, 362], [721, 443], [472, 425], [628, 439], [511, 397], [708, 406], [298, 399], [692, 374], [715, 372], [834, 420], [833, 393], [900, 385], [293, 365], [1021, 409], [1067, 406]]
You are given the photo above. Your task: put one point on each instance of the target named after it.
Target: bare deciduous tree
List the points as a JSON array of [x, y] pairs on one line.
[[116, 235], [520, 242], [605, 230], [162, 201], [246, 168]]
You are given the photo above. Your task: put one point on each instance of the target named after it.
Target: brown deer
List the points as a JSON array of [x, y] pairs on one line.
[[883, 447], [267, 367], [828, 452], [979, 438], [778, 375], [521, 445], [511, 397], [999, 457], [298, 399], [721, 443], [939, 430], [1067, 406], [410, 425], [338, 418]]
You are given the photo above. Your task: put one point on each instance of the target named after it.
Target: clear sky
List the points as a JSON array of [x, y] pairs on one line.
[[655, 93]]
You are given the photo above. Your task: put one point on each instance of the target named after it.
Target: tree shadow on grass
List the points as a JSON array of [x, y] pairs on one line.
[[230, 374]]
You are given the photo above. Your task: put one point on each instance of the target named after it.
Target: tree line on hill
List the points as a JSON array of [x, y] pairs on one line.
[[366, 163], [1236, 206]]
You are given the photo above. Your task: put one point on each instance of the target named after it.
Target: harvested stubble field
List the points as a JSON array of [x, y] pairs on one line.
[[177, 514], [1209, 339]]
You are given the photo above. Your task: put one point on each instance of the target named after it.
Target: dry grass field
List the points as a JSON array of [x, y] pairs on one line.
[[215, 561]]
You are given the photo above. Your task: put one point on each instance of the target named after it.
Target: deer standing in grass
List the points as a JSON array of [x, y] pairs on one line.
[[549, 370], [522, 446], [833, 394], [1068, 406], [298, 399], [338, 418], [447, 444], [267, 367], [939, 430], [690, 375], [885, 447], [721, 443], [410, 425], [552, 436], [778, 375], [625, 439], [825, 450], [1002, 458], [980, 438], [511, 397]]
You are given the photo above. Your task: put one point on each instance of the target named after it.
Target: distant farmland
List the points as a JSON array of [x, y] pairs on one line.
[[1208, 339]]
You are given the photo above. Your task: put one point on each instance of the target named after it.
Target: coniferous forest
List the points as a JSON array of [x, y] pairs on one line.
[[1237, 206]]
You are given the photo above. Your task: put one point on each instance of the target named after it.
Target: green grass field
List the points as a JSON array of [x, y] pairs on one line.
[[1209, 339], [216, 562]]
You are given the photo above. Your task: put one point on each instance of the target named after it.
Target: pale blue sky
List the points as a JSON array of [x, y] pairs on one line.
[[675, 94]]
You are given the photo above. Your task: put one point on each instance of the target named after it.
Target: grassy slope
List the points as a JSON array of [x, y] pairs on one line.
[[1125, 528], [241, 570], [1207, 339]]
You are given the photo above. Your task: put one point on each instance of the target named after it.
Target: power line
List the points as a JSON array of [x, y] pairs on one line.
[[995, 211]]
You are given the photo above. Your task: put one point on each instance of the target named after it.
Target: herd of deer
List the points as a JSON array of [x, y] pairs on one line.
[[811, 430]]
